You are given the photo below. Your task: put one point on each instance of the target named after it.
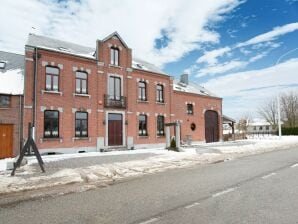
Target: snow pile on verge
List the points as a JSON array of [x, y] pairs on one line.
[[105, 173]]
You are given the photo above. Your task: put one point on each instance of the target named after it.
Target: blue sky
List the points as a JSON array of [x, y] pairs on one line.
[[228, 46]]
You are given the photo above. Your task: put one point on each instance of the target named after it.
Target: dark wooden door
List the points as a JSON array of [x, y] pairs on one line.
[[115, 129], [211, 126], [6, 140]]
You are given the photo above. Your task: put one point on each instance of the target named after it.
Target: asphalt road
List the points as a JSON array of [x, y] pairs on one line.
[[255, 189]]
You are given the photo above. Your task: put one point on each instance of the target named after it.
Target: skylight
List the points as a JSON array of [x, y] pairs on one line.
[[140, 65], [64, 49], [2, 64]]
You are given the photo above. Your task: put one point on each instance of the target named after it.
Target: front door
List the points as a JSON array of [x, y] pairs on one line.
[[115, 129], [211, 126], [6, 140]]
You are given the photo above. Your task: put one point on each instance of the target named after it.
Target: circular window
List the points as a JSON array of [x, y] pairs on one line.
[[193, 126]]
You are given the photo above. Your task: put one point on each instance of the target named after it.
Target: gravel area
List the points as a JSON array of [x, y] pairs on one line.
[[73, 163]]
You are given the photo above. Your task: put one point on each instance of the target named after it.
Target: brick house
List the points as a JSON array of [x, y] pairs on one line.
[[11, 103], [86, 99]]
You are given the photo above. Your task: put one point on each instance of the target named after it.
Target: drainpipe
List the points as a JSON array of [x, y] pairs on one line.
[[21, 114], [35, 58]]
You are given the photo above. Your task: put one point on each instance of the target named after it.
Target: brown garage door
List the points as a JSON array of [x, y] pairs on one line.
[[211, 126], [115, 129], [6, 139]]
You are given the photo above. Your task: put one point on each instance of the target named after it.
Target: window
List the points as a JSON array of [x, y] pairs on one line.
[[2, 64], [4, 101], [81, 129], [160, 125], [52, 78], [193, 126], [81, 82], [143, 125], [159, 93], [255, 128], [189, 109], [51, 124], [142, 91], [267, 127], [114, 56], [115, 88], [260, 128]]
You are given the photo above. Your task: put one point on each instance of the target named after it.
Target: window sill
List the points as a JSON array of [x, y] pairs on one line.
[[82, 94], [143, 136], [51, 92], [81, 138], [160, 103], [160, 136], [5, 108], [51, 139], [142, 101], [115, 66]]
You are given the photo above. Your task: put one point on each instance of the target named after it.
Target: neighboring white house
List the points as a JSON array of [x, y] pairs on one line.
[[260, 126]]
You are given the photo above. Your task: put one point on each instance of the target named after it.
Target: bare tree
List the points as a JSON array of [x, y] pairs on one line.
[[289, 103], [268, 111], [243, 123]]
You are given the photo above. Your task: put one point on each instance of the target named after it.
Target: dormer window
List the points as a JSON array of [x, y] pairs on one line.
[[114, 56], [2, 64]]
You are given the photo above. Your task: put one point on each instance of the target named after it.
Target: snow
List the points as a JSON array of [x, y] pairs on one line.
[[12, 82], [68, 51], [92, 176], [3, 163]]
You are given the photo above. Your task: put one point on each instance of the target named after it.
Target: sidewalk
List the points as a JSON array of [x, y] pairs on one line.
[[94, 169]]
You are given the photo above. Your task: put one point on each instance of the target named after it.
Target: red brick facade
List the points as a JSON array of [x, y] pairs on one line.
[[99, 69]]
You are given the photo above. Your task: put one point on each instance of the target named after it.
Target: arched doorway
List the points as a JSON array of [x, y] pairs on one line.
[[211, 126]]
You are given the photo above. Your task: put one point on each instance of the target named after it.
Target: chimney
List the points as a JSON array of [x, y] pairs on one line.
[[184, 78]]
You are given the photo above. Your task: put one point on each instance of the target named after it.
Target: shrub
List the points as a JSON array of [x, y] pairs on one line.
[[173, 143], [289, 131]]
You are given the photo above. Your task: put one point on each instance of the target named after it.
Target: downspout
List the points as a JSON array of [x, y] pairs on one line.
[[21, 114], [35, 57]]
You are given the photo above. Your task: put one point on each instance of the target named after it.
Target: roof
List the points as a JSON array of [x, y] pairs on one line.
[[60, 46], [192, 87], [56, 45], [139, 64], [227, 119], [12, 76]]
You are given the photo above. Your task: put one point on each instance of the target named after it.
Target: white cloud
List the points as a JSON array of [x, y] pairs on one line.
[[229, 66], [244, 91], [140, 23], [262, 41], [221, 68], [211, 57], [271, 35]]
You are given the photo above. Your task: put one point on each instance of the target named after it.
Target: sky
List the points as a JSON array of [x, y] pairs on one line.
[[245, 51]]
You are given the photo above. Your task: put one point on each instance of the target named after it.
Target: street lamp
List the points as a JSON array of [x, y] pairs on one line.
[[278, 103]]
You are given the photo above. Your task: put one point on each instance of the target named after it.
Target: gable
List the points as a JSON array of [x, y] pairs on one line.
[[116, 36]]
